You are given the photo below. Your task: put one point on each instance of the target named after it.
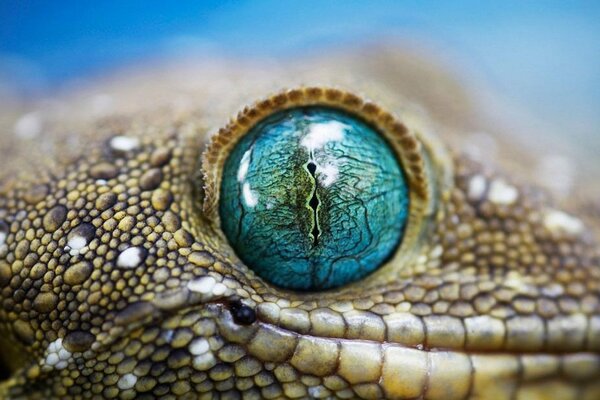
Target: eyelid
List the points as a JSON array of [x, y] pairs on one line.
[[425, 162]]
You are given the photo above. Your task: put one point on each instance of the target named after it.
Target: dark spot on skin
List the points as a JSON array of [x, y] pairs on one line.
[[178, 359], [160, 157], [78, 341], [55, 218], [104, 171], [242, 314], [85, 230], [151, 179]]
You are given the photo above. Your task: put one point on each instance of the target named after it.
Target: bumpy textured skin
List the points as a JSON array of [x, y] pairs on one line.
[[114, 284]]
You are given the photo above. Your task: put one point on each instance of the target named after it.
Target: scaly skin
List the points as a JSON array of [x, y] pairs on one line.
[[499, 298]]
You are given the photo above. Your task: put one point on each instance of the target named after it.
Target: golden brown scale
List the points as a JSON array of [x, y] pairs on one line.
[[115, 283]]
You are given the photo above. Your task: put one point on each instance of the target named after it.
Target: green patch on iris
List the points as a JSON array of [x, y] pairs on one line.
[[313, 198]]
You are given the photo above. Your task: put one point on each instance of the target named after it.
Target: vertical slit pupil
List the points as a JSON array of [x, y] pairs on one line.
[[314, 203]]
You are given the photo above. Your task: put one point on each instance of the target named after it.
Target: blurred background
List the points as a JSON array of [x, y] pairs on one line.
[[540, 57]]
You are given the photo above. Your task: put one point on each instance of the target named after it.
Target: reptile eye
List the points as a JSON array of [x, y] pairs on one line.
[[314, 189], [313, 198]]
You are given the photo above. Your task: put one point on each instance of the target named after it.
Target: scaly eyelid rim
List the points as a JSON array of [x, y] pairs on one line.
[[404, 142], [415, 151]]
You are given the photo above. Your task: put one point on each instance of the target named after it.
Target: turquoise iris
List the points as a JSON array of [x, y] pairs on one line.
[[313, 198]]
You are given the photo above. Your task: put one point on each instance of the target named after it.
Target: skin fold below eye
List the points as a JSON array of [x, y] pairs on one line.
[[313, 198]]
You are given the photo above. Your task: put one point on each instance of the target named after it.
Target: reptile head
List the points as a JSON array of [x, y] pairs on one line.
[[118, 278]]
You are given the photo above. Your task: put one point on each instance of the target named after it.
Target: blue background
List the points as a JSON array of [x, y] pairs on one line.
[[544, 56]]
